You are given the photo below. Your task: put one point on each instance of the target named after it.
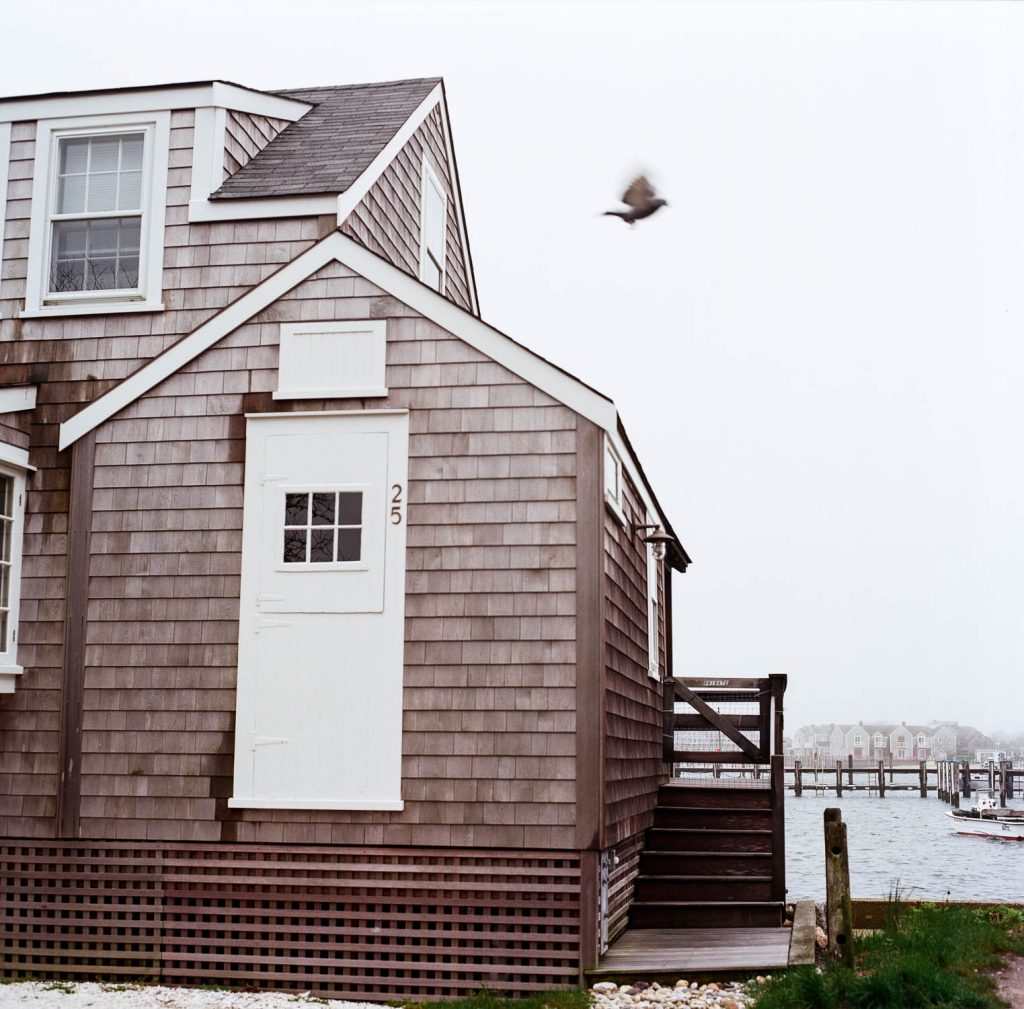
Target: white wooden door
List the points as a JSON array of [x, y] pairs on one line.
[[319, 710]]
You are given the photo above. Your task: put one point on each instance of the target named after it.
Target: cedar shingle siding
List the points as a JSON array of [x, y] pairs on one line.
[[531, 729]]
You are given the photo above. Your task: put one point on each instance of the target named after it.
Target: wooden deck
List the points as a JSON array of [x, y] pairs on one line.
[[657, 952]]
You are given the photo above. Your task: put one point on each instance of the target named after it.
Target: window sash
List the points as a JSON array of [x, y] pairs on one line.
[[12, 525], [97, 294]]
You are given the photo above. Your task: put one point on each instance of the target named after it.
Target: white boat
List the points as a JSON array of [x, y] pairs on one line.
[[986, 819]]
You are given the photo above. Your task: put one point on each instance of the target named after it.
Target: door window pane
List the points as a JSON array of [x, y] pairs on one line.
[[323, 527]]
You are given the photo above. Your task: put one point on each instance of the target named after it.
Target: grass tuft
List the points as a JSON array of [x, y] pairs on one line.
[[927, 957]]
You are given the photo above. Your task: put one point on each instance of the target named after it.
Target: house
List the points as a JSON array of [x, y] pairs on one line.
[[334, 620]]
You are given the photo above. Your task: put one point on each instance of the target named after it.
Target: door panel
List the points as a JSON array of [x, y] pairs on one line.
[[322, 612]]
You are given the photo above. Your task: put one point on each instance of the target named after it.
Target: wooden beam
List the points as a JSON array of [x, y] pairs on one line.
[[699, 722], [719, 722], [590, 662], [69, 781]]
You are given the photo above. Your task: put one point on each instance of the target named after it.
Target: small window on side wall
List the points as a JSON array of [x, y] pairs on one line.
[[613, 481], [433, 229], [12, 525]]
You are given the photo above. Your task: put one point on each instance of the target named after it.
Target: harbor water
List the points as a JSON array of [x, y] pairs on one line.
[[900, 840]]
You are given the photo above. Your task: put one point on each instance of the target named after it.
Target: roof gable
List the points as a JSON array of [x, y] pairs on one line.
[[333, 144]]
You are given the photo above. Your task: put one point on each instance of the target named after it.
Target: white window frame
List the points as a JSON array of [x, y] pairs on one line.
[[612, 461], [14, 464], [653, 649], [39, 302], [377, 328], [430, 178]]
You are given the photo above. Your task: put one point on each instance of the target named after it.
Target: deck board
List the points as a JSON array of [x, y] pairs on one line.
[[690, 950]]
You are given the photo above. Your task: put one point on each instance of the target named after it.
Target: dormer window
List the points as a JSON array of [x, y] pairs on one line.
[[98, 196], [96, 223], [433, 229]]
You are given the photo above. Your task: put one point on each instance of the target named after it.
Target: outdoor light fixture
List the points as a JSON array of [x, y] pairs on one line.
[[658, 538]]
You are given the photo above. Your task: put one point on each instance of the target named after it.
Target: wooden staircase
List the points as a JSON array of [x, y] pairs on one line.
[[708, 860], [715, 854]]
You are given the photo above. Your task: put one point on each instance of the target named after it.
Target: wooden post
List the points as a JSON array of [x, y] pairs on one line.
[[954, 792], [777, 779], [849, 772], [839, 779], [1003, 778], [881, 780], [1009, 779], [892, 776], [991, 775], [924, 780], [798, 778], [838, 909], [965, 779]]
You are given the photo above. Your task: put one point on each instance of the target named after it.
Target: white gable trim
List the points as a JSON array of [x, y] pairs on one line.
[[532, 368], [350, 199], [17, 397], [5, 161]]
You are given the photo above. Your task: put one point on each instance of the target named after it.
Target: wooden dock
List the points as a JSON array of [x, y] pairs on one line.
[[652, 953]]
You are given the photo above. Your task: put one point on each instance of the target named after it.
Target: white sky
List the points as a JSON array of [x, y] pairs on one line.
[[816, 348]]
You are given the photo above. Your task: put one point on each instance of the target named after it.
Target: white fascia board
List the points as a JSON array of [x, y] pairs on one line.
[[467, 259], [152, 100], [258, 103], [201, 210], [14, 456], [349, 199], [529, 366], [5, 161], [14, 398]]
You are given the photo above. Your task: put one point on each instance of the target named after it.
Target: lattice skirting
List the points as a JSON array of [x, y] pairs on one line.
[[371, 923], [620, 884]]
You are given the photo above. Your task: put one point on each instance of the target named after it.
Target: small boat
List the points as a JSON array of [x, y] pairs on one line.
[[986, 819]]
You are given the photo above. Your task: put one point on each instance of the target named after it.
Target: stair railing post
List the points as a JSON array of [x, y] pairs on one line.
[[778, 792]]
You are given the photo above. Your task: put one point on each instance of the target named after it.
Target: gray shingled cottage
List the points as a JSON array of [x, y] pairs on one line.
[[333, 628]]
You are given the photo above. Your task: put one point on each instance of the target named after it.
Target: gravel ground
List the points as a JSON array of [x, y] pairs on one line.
[[68, 995], [90, 995], [682, 995]]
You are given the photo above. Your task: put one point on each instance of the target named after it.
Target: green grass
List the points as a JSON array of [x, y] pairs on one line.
[[927, 957], [573, 998]]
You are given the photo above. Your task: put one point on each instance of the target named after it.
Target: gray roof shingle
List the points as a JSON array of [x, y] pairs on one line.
[[332, 144]]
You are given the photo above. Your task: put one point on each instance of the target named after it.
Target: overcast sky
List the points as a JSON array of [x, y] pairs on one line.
[[816, 348]]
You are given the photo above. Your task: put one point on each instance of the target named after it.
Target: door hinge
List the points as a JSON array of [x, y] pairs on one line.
[[266, 624], [268, 741]]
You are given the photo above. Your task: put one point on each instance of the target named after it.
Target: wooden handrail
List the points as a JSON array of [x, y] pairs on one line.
[[701, 692]]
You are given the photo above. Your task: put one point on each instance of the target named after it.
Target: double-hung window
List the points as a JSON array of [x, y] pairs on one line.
[[96, 219], [433, 229], [12, 526], [96, 238]]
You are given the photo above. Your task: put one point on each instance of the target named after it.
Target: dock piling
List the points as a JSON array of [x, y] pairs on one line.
[[838, 909], [924, 780], [798, 778], [881, 780], [839, 779]]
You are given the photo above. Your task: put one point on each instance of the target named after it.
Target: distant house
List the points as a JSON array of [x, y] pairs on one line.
[[334, 621], [901, 742]]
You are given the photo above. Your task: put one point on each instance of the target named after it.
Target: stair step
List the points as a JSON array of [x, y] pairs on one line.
[[662, 888], [703, 839], [715, 798], [706, 914], [708, 863], [713, 817]]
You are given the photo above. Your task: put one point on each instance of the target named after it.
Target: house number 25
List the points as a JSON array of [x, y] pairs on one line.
[[396, 504]]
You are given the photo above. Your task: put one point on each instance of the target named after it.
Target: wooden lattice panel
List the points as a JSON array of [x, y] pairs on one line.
[[370, 923]]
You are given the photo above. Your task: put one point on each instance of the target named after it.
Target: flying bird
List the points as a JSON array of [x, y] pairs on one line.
[[641, 200]]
